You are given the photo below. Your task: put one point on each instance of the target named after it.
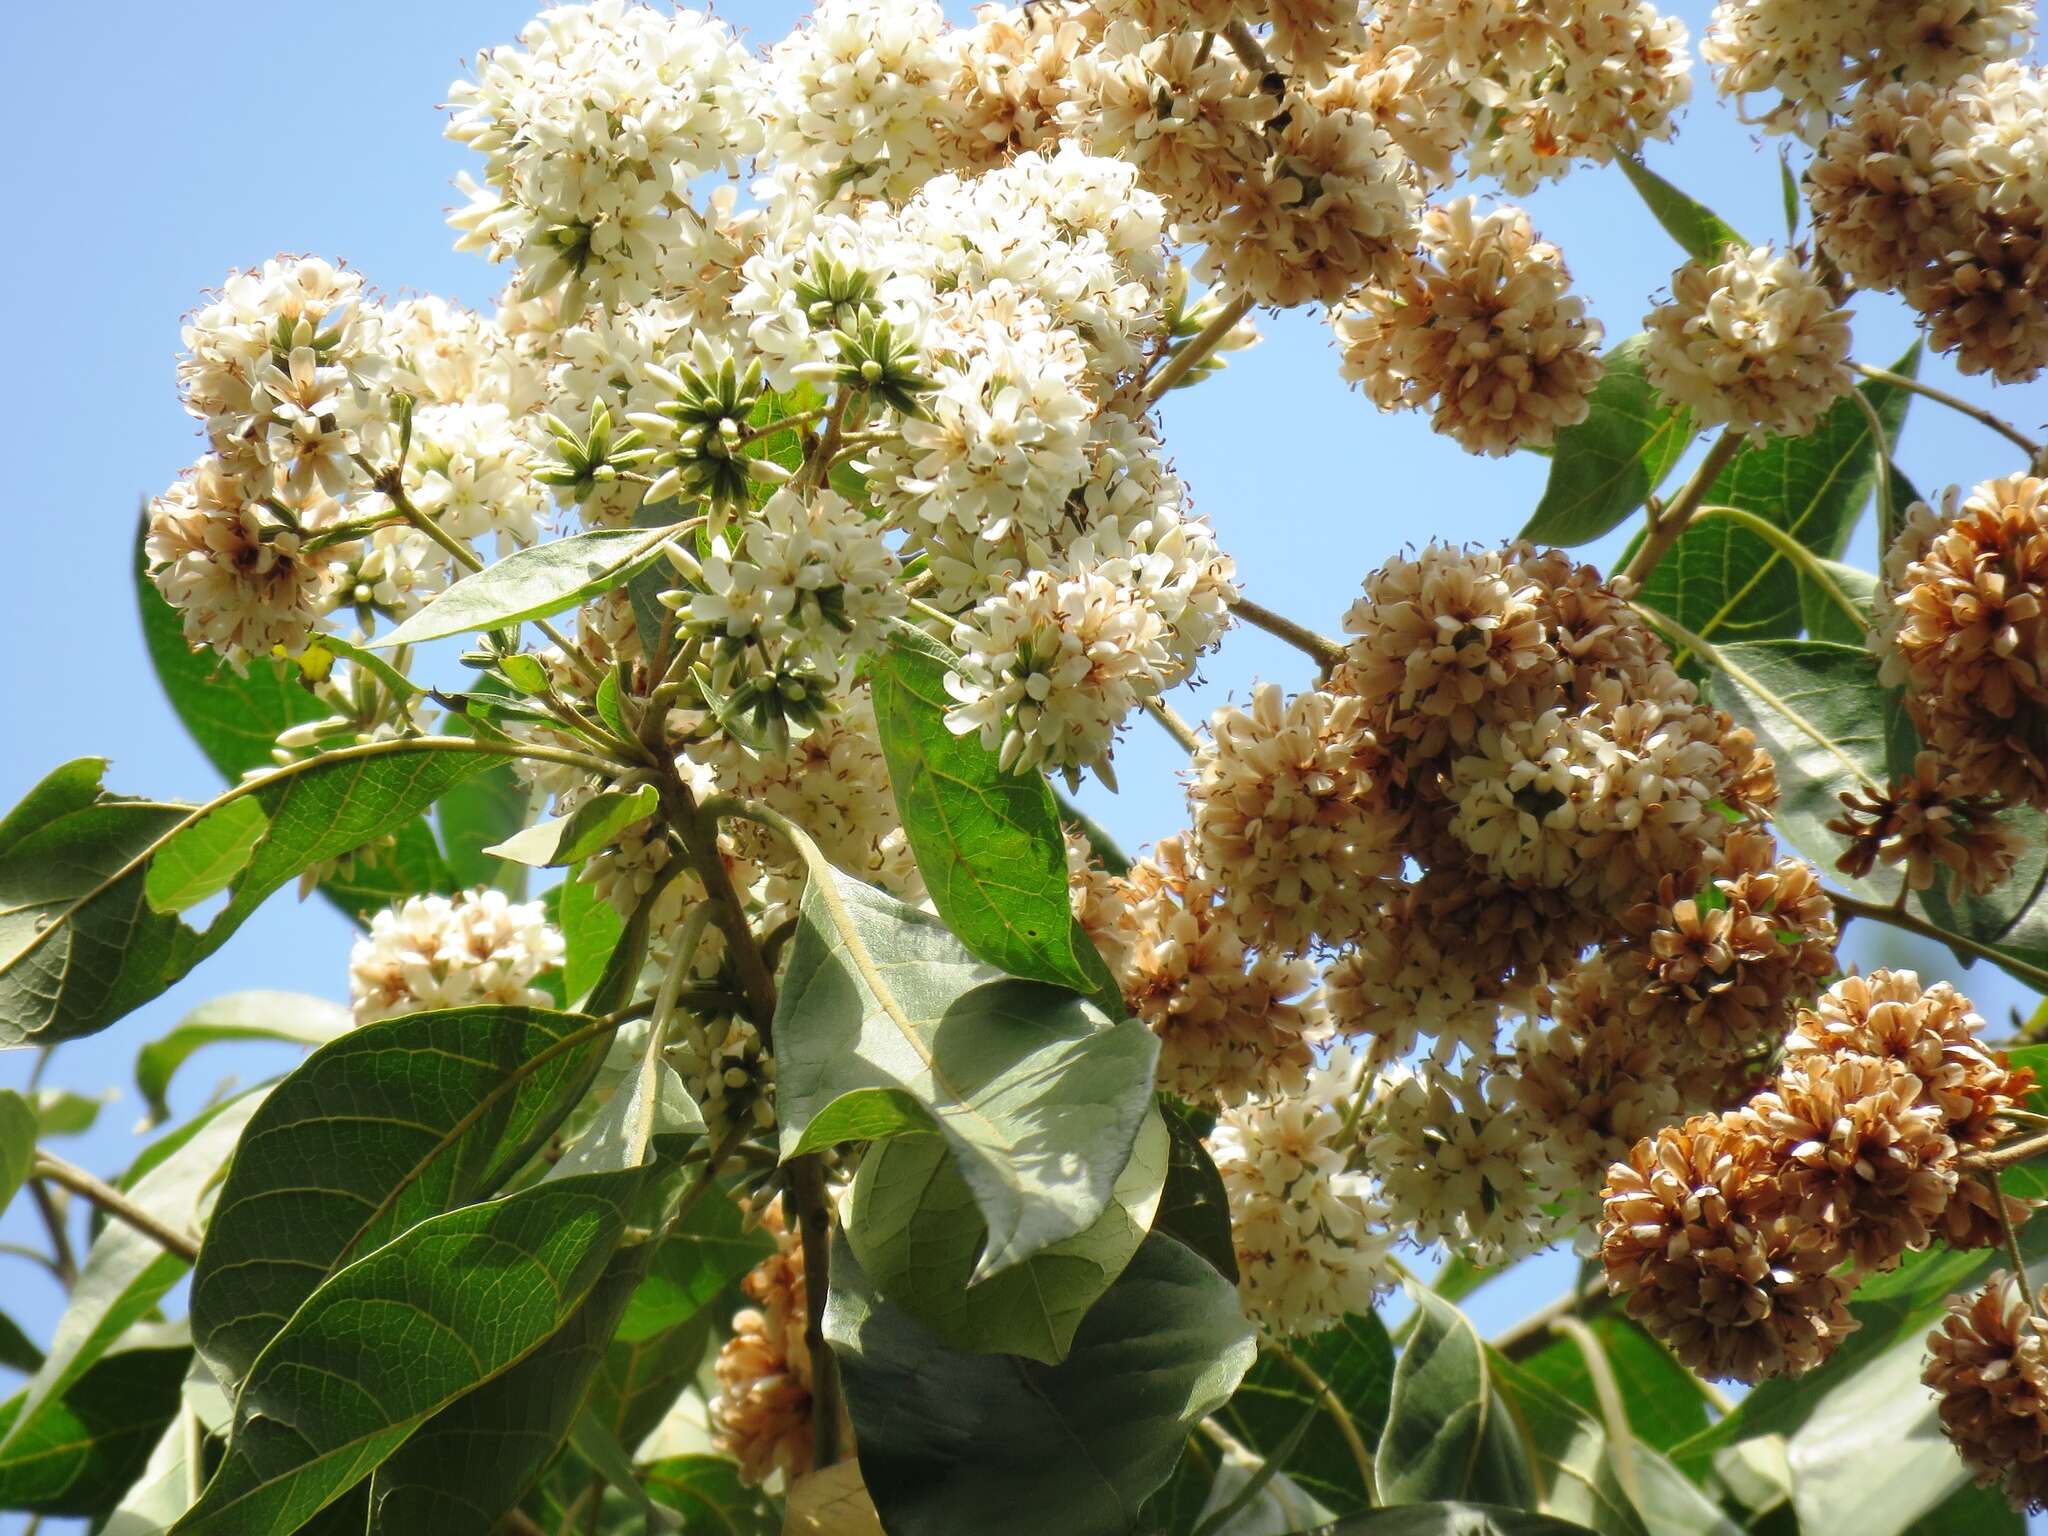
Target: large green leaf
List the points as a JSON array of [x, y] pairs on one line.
[[1608, 465], [988, 839], [1450, 1520], [125, 1274], [397, 1336], [1701, 232], [593, 825], [82, 1450], [388, 1125], [476, 814], [1725, 582], [291, 1017], [531, 583], [466, 1467], [952, 1442], [1664, 1402], [914, 1226], [707, 1492], [1354, 1360], [1449, 1432], [1581, 1474], [1820, 710], [591, 929], [19, 1128], [886, 1023], [2013, 918], [1194, 1206], [88, 901]]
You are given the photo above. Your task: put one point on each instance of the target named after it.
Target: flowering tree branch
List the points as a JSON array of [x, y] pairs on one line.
[[1326, 653], [1664, 527], [1897, 917], [1976, 413]]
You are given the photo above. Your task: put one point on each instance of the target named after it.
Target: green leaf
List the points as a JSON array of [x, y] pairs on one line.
[[988, 840], [1450, 1520], [463, 1471], [953, 1442], [17, 1350], [1606, 466], [60, 1112], [1725, 582], [1788, 187], [692, 1267], [292, 1017], [1664, 1401], [530, 583], [233, 717], [1111, 857], [608, 709], [80, 1451], [1039, 1096], [63, 790], [1979, 1511], [399, 1335], [915, 1229], [1449, 1433], [591, 929], [707, 1492], [591, 826], [380, 1129], [1355, 1360], [477, 813], [1194, 1207], [1580, 1473], [1824, 616], [125, 1275], [1702, 233], [597, 1446], [1820, 710], [18, 1131], [82, 937]]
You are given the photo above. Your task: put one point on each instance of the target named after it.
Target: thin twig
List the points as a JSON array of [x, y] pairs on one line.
[[1205, 341], [116, 1205], [2033, 975], [1325, 652], [1667, 526], [2004, 1156], [1882, 460], [63, 1262], [2012, 1239], [1176, 727], [1361, 1454], [1976, 413]]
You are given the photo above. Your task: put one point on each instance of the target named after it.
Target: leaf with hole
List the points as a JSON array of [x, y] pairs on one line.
[[887, 1023]]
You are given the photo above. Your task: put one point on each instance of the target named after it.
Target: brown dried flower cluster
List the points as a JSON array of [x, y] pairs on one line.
[[1927, 821], [1737, 1237], [1936, 192], [762, 1415], [1963, 624], [1482, 329], [1988, 1366]]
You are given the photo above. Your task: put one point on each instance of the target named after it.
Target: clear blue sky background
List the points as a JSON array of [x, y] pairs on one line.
[[153, 147]]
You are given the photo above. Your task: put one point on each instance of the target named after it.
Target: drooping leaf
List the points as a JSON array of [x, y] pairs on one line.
[[83, 934], [80, 1451], [591, 928], [1194, 1207], [1822, 609], [1725, 582], [693, 1266], [1702, 233], [534, 583], [1580, 1473], [591, 826], [162, 1491], [1664, 1401], [1449, 1433], [125, 1275], [389, 1124], [1104, 847], [1608, 465], [292, 1017], [399, 1335], [1039, 1096], [914, 1227], [61, 1112], [18, 1132], [464, 1469], [988, 839], [952, 1442], [1355, 1361], [18, 1351], [476, 814], [1820, 710], [1979, 1511]]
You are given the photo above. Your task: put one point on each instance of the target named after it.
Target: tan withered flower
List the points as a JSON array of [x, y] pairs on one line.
[[1295, 816], [1722, 960], [1229, 1022], [1925, 822], [1482, 329], [1865, 1166], [1963, 624], [1988, 1366], [762, 1415], [1014, 77], [1695, 1240]]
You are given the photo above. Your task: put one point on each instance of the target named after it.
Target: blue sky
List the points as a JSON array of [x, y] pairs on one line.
[[177, 141]]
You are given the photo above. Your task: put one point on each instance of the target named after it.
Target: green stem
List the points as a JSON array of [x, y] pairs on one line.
[[1207, 340], [1976, 413], [1361, 1454], [2033, 975], [1530, 1334], [1664, 528], [2012, 1241], [63, 1262]]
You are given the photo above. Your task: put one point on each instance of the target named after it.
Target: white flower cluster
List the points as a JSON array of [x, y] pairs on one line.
[[432, 952]]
